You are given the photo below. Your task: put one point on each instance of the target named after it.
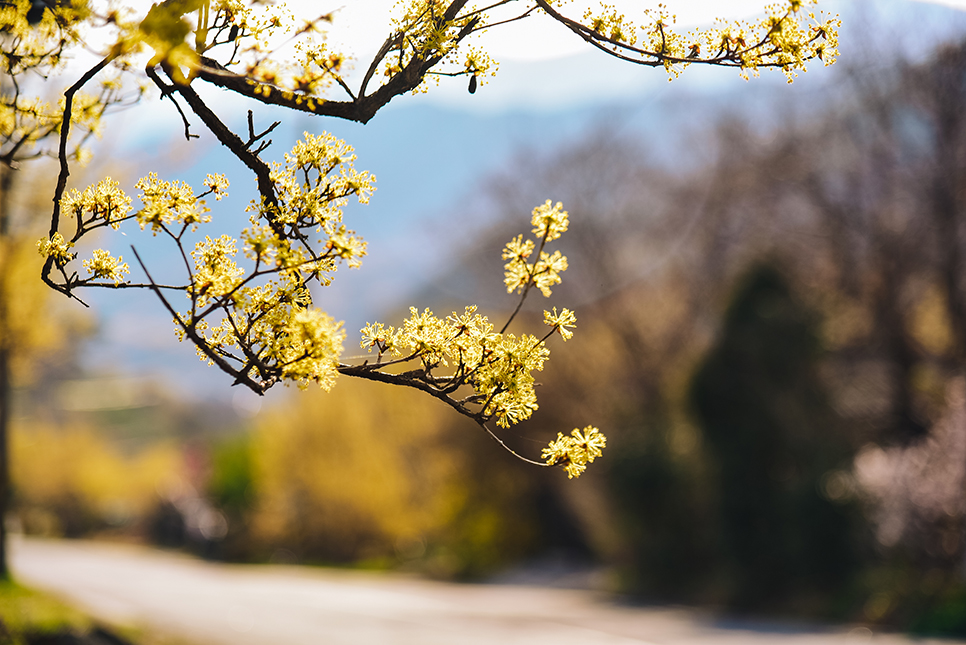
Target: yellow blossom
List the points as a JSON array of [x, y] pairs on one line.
[[313, 343], [103, 201], [549, 222], [576, 451], [56, 247], [215, 271], [102, 265], [167, 203], [561, 322], [546, 272], [217, 184]]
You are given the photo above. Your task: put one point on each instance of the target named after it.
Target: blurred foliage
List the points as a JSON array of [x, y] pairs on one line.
[[231, 484], [28, 330], [346, 472], [24, 611], [666, 503], [33, 324], [774, 440], [30, 616], [377, 477], [810, 460], [74, 481]]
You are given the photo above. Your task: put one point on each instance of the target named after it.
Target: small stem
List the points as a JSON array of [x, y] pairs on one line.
[[509, 449], [199, 342]]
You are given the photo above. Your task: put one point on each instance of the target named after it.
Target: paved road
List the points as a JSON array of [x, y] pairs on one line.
[[284, 605]]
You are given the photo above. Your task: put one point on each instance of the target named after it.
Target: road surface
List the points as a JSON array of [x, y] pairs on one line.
[[221, 604]]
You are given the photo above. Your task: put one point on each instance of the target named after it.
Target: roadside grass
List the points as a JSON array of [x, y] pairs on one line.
[[27, 614]]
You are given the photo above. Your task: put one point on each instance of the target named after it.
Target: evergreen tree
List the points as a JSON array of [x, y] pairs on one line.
[[774, 437]]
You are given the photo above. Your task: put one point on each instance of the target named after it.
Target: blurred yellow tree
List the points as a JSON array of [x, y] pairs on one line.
[[32, 324], [30, 128], [330, 482], [68, 479]]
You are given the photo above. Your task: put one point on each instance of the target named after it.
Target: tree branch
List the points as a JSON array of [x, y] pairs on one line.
[[362, 108], [65, 166]]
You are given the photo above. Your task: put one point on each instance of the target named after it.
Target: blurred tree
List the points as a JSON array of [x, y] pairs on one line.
[[866, 200], [773, 438], [74, 481], [28, 128], [942, 93], [326, 482], [866, 204], [20, 320], [847, 197], [232, 488]]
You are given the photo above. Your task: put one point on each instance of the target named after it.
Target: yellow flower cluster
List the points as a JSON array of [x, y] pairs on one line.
[[39, 43], [576, 451], [26, 120], [561, 322], [311, 349], [217, 185], [167, 203], [497, 365], [318, 69], [36, 38], [268, 329], [786, 38], [104, 201], [298, 237], [312, 187], [548, 223], [249, 33], [423, 33], [216, 273], [268, 249], [505, 377], [56, 247], [615, 25], [315, 68], [283, 336], [102, 265]]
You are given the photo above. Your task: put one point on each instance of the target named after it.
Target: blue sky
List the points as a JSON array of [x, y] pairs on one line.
[[429, 153]]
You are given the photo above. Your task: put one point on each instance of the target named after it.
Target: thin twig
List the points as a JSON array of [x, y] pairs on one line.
[[198, 341], [509, 449], [166, 92]]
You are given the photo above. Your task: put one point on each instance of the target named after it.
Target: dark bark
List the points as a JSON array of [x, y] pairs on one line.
[[362, 108], [4, 458], [6, 180]]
